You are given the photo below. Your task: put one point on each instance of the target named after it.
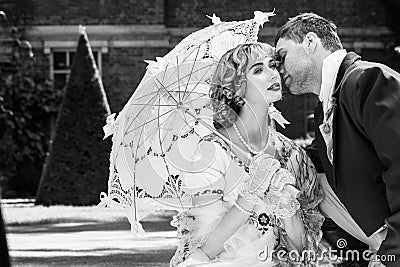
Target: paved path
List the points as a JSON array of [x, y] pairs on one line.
[[91, 244]]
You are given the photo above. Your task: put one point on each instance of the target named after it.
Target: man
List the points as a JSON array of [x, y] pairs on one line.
[[357, 136]]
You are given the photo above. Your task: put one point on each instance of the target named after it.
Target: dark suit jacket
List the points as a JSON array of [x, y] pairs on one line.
[[366, 140]]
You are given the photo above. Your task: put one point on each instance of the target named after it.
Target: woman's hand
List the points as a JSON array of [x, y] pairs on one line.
[[267, 175], [281, 178], [281, 197], [262, 170], [283, 191]]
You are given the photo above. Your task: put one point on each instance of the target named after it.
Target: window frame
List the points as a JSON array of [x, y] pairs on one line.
[[67, 71]]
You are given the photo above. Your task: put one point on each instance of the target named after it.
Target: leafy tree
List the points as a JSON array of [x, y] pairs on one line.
[[27, 104]]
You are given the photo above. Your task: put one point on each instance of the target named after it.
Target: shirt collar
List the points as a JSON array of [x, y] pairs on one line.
[[330, 69]]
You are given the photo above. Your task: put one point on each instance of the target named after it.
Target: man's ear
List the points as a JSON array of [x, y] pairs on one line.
[[310, 42]]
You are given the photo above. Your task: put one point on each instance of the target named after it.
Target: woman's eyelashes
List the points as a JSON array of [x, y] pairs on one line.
[[271, 64], [257, 70]]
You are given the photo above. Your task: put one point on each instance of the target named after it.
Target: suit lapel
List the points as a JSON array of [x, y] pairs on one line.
[[349, 59], [318, 116]]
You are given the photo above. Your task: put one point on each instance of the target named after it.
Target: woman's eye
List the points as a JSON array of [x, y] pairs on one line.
[[257, 70]]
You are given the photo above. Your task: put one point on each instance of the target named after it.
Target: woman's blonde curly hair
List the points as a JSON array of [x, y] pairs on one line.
[[228, 84]]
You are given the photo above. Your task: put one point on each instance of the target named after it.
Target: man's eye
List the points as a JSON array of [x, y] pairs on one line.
[[279, 57], [279, 61]]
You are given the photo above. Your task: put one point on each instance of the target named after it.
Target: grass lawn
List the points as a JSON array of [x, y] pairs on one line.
[[84, 236], [29, 214]]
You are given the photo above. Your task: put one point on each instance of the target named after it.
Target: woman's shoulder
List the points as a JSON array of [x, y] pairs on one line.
[[284, 139], [286, 146], [224, 148]]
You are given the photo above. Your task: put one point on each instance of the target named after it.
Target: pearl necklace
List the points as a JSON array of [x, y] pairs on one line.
[[249, 148]]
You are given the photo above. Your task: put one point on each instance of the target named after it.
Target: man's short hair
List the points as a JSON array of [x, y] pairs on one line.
[[297, 28]]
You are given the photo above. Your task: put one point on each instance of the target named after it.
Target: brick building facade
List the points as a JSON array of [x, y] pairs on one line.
[[123, 33]]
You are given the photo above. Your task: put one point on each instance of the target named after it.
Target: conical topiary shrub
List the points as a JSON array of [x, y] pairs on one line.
[[76, 169]]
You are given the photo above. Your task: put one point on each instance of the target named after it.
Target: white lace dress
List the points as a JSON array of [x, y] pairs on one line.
[[262, 232]]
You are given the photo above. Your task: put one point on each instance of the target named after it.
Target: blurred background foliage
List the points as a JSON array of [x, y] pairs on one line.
[[28, 105]]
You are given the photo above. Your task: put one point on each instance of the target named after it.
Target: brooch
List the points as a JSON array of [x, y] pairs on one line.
[[262, 222], [330, 110], [326, 128]]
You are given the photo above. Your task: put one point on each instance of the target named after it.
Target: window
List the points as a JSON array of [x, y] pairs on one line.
[[61, 63]]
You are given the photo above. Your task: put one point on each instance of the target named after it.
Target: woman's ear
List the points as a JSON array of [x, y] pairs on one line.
[[310, 42]]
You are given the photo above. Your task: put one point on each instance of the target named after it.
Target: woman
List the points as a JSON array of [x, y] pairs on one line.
[[259, 195]]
